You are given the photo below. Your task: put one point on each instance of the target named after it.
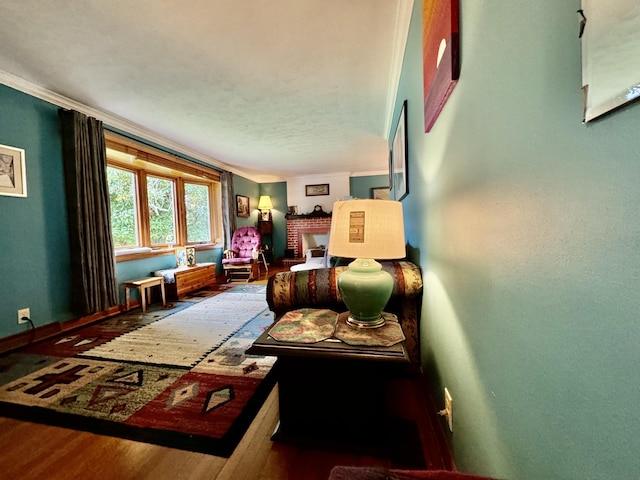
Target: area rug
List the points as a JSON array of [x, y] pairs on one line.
[[177, 377]]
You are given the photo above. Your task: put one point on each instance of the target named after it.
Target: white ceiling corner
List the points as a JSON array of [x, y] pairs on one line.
[[268, 90]]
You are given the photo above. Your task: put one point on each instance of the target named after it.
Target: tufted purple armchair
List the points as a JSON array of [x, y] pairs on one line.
[[242, 258]]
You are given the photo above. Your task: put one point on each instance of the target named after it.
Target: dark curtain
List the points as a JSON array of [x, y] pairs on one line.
[[228, 207], [94, 286]]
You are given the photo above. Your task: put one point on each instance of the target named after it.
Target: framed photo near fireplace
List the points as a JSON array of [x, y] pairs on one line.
[[242, 206], [380, 193], [13, 179], [314, 190]]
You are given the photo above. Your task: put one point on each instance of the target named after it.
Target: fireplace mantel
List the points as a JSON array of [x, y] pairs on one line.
[[308, 215]]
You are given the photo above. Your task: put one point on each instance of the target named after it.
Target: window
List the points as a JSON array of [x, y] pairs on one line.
[[122, 197], [196, 199], [159, 201], [162, 212]]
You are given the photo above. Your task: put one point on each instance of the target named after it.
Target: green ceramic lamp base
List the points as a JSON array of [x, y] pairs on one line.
[[365, 289]]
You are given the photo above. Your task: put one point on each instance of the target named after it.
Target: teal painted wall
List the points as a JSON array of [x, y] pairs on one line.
[[34, 243], [278, 193], [360, 187], [142, 268], [251, 189], [529, 248]]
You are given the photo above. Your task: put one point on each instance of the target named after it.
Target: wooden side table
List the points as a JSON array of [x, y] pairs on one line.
[[332, 393], [142, 285]]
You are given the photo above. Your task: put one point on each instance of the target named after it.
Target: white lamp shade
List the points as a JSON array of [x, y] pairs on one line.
[[265, 203], [367, 229]]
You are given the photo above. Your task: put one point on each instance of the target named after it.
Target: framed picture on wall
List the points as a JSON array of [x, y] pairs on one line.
[[610, 38], [313, 190], [13, 179], [399, 157], [380, 193], [242, 206], [441, 55]]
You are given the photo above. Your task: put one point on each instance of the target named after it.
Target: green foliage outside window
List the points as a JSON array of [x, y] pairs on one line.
[[122, 196], [160, 194], [197, 205]]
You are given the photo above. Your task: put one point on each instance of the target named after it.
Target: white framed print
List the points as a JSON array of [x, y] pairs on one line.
[[13, 177]]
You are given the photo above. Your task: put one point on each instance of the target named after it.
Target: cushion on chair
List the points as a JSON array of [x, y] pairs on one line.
[[244, 241]]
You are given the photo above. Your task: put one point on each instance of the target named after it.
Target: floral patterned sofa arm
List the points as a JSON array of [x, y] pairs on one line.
[[319, 289]]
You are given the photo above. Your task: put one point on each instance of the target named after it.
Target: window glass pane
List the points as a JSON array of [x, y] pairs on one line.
[[196, 199], [162, 223], [122, 197]]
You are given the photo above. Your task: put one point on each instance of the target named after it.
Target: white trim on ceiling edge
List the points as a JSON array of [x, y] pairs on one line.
[[403, 23], [120, 123]]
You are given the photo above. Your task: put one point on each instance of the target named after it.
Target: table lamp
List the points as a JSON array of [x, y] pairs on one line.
[[265, 206], [366, 230]]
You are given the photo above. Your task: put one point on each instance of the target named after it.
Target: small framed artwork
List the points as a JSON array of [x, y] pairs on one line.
[[399, 157], [380, 193], [191, 256], [242, 206], [314, 190], [13, 179], [181, 256]]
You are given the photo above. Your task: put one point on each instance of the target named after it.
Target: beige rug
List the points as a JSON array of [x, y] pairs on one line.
[[186, 337]]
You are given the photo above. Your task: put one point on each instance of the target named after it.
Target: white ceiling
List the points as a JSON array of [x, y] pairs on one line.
[[271, 89]]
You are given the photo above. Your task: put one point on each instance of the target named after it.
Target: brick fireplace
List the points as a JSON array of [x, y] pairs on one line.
[[297, 227]]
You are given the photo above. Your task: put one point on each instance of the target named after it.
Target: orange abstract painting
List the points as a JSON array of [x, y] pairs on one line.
[[441, 55]]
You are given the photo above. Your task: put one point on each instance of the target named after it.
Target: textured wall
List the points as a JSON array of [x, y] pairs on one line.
[[526, 227], [34, 243]]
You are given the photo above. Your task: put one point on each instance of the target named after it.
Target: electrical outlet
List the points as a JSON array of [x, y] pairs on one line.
[[448, 408], [24, 312]]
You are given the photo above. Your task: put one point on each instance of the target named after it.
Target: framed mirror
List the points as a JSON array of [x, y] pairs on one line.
[[610, 33]]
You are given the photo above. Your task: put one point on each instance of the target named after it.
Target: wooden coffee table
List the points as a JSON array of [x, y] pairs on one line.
[[331, 393]]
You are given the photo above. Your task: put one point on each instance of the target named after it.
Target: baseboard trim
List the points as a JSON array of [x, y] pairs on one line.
[[43, 332]]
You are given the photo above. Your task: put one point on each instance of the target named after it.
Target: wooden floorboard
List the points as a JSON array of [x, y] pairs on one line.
[[35, 451]]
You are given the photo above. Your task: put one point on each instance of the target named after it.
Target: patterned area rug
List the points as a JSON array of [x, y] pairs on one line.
[[177, 377]]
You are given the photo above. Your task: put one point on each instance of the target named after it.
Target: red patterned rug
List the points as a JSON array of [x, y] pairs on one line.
[[177, 377]]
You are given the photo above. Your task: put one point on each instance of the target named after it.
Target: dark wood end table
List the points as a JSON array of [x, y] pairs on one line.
[[332, 393]]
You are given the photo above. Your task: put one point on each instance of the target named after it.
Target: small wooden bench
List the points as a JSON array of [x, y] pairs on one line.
[[142, 284]]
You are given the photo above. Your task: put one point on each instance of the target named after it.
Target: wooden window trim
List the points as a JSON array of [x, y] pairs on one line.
[[143, 161]]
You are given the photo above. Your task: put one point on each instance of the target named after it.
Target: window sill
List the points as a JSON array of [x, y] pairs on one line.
[[142, 253]]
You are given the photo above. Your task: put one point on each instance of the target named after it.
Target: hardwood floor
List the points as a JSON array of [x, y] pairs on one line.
[[35, 451]]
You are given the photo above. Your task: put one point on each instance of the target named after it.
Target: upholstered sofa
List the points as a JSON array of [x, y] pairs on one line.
[[318, 288]]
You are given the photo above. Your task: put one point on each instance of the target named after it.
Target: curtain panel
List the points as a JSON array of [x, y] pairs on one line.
[[93, 273], [228, 207]]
